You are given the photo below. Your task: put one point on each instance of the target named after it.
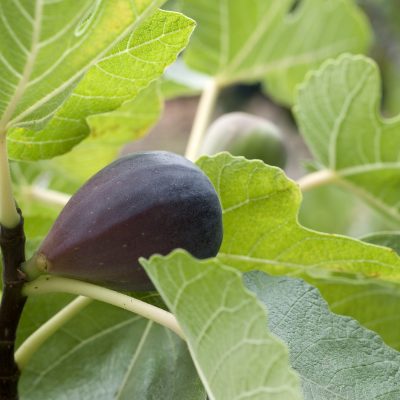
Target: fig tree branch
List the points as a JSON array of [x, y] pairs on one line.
[[12, 243], [202, 119], [51, 284]]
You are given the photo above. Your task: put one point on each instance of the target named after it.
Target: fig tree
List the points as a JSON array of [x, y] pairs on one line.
[[141, 204], [242, 134]]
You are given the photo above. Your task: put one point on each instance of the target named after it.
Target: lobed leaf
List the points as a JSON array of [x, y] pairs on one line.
[[261, 231], [338, 113], [225, 328]]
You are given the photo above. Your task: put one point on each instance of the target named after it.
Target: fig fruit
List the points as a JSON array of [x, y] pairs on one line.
[[141, 204], [246, 135]]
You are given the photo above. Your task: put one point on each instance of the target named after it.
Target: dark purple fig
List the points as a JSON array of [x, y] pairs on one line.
[[141, 204]]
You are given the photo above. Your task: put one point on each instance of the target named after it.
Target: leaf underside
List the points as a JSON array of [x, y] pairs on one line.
[[338, 114], [335, 356]]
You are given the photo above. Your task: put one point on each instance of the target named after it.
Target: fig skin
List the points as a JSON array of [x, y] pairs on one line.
[[141, 204], [246, 135]]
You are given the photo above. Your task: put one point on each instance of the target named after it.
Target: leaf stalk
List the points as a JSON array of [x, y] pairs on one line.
[[47, 196], [203, 116], [51, 284], [9, 216], [316, 179], [29, 347]]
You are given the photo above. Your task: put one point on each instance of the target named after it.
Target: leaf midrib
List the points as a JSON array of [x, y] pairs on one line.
[[250, 43], [135, 357], [364, 168], [27, 72], [340, 119]]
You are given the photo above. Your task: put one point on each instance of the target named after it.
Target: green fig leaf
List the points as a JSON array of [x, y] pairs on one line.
[[105, 353], [115, 74], [225, 328], [335, 356], [261, 231], [47, 47], [275, 44], [338, 113]]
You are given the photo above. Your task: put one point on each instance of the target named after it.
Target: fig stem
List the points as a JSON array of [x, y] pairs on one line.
[[316, 179], [51, 284], [29, 347], [30, 269], [203, 116], [48, 196], [9, 216]]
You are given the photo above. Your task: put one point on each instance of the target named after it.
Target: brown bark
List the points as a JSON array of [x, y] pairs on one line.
[[12, 243]]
